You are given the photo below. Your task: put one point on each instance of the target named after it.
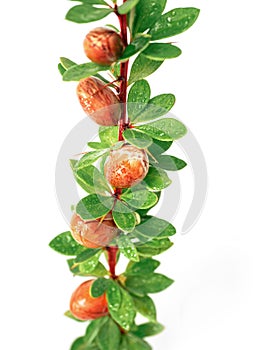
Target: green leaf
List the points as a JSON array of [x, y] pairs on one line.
[[94, 206], [61, 69], [139, 96], [162, 51], [142, 67], [86, 268], [69, 315], [86, 342], [90, 267], [109, 336], [154, 247], [159, 147], [87, 254], [135, 343], [67, 63], [127, 6], [157, 179], [123, 217], [125, 314], [174, 22], [99, 287], [84, 70], [150, 283], [147, 13], [86, 13], [145, 306], [109, 134], [157, 106], [144, 212], [65, 244], [167, 129], [153, 227], [127, 248], [148, 329], [140, 42], [91, 180], [98, 2], [142, 199], [142, 267], [137, 138], [169, 163], [124, 343], [98, 145], [89, 158], [114, 296]]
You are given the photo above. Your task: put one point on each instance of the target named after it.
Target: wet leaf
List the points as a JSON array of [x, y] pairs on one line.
[[86, 13], [174, 22]]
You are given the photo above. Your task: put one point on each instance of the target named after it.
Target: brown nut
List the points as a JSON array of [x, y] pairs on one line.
[[84, 307], [126, 166], [103, 46], [99, 101], [93, 233]]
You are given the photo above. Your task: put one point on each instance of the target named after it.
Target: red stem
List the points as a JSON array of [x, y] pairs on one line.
[[112, 255], [124, 119]]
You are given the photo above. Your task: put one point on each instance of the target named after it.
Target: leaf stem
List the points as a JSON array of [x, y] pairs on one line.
[[112, 258]]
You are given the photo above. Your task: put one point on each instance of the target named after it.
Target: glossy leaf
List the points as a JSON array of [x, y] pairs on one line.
[[174, 22], [109, 336], [123, 217], [139, 96], [98, 145], [150, 283], [137, 138], [135, 343], [140, 42], [61, 69], [141, 199], [82, 343], [157, 107], [81, 71], [148, 329], [170, 163], [154, 247], [89, 159], [125, 314], [157, 179], [91, 180], [142, 267], [90, 267], [167, 129], [99, 287], [158, 147], [153, 227], [94, 206], [142, 67], [127, 6], [93, 2], [67, 63], [127, 248], [144, 212], [108, 134], [147, 13], [114, 296], [145, 306], [65, 244], [86, 13], [162, 51], [87, 254], [94, 327], [69, 315]]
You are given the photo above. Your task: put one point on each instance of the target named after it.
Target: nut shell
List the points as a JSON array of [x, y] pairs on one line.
[[84, 307], [93, 234], [99, 101], [103, 46], [126, 166]]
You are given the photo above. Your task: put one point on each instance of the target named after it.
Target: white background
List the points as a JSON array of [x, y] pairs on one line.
[[216, 301]]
